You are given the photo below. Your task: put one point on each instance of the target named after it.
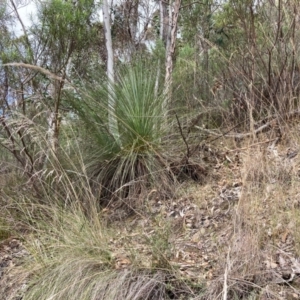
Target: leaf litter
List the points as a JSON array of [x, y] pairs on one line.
[[198, 234]]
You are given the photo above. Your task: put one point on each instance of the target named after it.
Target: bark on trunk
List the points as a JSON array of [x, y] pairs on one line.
[[170, 51]]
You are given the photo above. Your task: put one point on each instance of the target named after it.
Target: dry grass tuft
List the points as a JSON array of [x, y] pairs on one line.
[[72, 281], [264, 226], [77, 258]]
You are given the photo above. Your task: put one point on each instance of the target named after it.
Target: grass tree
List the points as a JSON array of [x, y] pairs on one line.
[[127, 168]]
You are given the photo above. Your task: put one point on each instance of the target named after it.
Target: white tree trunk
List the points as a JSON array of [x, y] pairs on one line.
[[51, 132], [112, 120], [134, 20], [162, 30], [171, 43]]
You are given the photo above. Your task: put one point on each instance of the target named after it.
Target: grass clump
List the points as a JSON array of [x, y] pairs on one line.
[[75, 257], [70, 255]]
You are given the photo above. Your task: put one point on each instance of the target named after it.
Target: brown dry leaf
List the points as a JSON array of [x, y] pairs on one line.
[[282, 261], [197, 236], [270, 264], [122, 262], [284, 236]]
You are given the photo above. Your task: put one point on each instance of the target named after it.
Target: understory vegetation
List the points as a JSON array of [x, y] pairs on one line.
[[153, 155]]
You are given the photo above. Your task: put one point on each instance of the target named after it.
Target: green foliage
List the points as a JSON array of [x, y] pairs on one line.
[[139, 112], [135, 161], [4, 231], [186, 68], [5, 16], [10, 48], [159, 51], [160, 246], [66, 27]]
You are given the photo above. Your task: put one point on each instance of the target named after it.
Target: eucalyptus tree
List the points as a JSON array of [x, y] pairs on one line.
[[64, 31], [174, 8], [112, 121], [18, 87], [131, 20], [200, 36], [33, 99]]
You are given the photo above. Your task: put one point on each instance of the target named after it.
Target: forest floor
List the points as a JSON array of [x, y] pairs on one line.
[[233, 236]]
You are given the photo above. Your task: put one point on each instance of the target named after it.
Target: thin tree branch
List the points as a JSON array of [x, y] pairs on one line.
[[23, 27], [37, 68]]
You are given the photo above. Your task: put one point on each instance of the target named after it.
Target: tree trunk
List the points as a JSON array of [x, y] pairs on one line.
[[163, 37], [134, 16], [170, 51], [112, 120]]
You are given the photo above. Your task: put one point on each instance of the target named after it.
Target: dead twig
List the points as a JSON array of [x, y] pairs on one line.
[[236, 135], [188, 152], [252, 145], [264, 127]]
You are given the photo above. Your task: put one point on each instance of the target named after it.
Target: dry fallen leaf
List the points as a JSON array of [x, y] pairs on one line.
[[122, 263]]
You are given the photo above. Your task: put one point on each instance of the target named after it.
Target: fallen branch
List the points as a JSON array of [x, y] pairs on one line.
[[236, 135], [253, 145], [264, 127], [188, 153]]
